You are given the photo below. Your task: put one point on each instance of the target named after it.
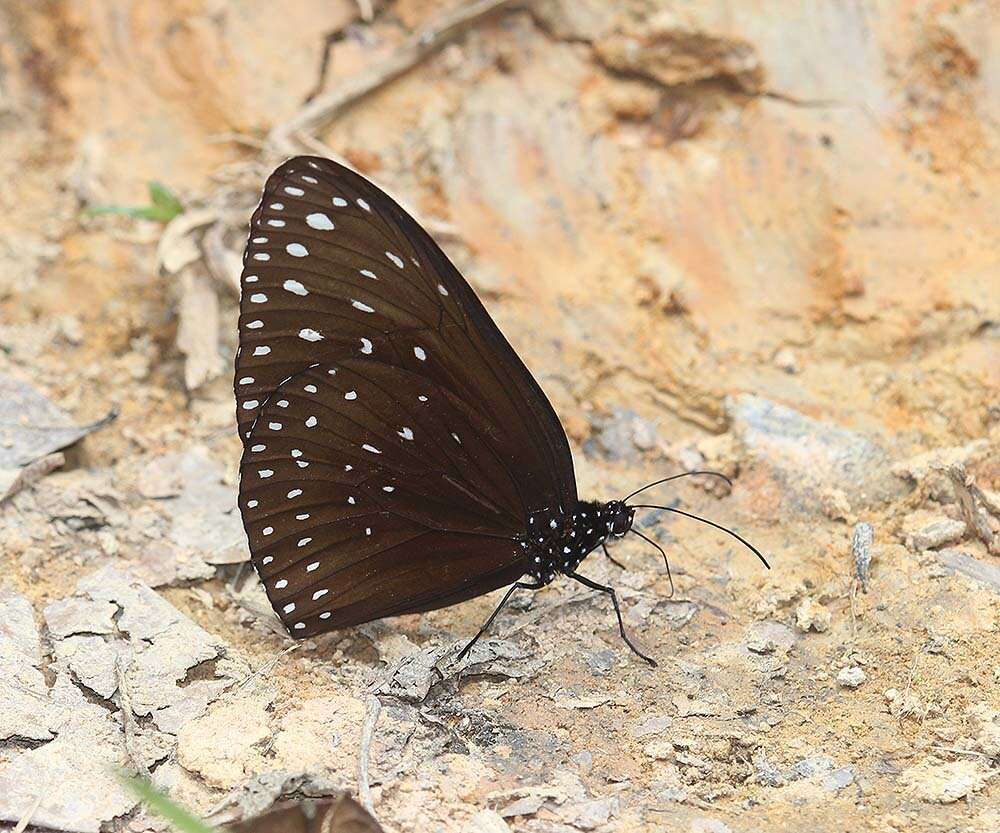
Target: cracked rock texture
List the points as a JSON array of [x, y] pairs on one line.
[[758, 237]]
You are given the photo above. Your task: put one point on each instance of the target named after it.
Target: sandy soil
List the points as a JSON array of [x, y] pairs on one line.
[[760, 237]]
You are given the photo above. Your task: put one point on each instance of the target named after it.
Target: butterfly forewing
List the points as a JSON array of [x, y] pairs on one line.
[[394, 444]]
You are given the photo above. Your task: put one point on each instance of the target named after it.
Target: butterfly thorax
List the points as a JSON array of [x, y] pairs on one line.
[[558, 542]]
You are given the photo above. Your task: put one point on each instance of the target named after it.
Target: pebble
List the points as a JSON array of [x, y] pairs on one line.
[[851, 677]]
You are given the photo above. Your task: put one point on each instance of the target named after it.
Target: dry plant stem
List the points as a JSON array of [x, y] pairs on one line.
[[372, 708], [26, 818], [32, 473], [325, 108], [128, 718], [265, 667]]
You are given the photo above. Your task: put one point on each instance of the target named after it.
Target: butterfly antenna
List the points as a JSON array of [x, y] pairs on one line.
[[665, 561], [675, 477], [739, 538]]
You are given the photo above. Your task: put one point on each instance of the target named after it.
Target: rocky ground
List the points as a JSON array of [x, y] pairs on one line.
[[758, 236]]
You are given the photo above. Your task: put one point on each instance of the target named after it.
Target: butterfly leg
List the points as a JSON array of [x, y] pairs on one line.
[[593, 585], [510, 592], [611, 558]]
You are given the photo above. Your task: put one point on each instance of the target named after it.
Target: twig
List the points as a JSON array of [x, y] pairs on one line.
[[26, 818], [129, 725], [955, 751], [326, 107], [265, 667], [372, 708]]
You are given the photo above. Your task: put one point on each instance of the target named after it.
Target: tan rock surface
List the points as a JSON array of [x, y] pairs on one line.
[[759, 235]]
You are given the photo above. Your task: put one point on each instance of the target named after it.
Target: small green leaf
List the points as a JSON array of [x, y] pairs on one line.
[[163, 206], [163, 199], [180, 818]]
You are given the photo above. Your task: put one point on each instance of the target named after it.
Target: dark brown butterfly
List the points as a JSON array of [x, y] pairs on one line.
[[398, 456]]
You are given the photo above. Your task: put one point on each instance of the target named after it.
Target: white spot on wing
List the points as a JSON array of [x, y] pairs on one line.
[[258, 298], [288, 608], [262, 256], [255, 325], [369, 274], [366, 346], [295, 287], [293, 493], [303, 541], [319, 594], [364, 205], [309, 334], [293, 191], [363, 307], [309, 389], [261, 350], [319, 221], [371, 448], [442, 289], [265, 473], [250, 404], [351, 395], [276, 223], [340, 202], [296, 250], [395, 259], [406, 433], [277, 206], [311, 422], [420, 354]]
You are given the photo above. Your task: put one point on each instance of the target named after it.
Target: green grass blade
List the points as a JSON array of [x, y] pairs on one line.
[[180, 818], [163, 206]]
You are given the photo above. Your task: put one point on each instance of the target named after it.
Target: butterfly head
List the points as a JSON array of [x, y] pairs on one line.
[[619, 518]]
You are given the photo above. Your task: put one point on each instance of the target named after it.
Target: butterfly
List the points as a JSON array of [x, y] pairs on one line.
[[398, 456]]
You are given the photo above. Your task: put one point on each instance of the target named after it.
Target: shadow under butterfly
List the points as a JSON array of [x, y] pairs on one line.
[[338, 815], [398, 457]]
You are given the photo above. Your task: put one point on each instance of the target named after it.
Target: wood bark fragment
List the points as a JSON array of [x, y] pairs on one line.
[[975, 515]]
